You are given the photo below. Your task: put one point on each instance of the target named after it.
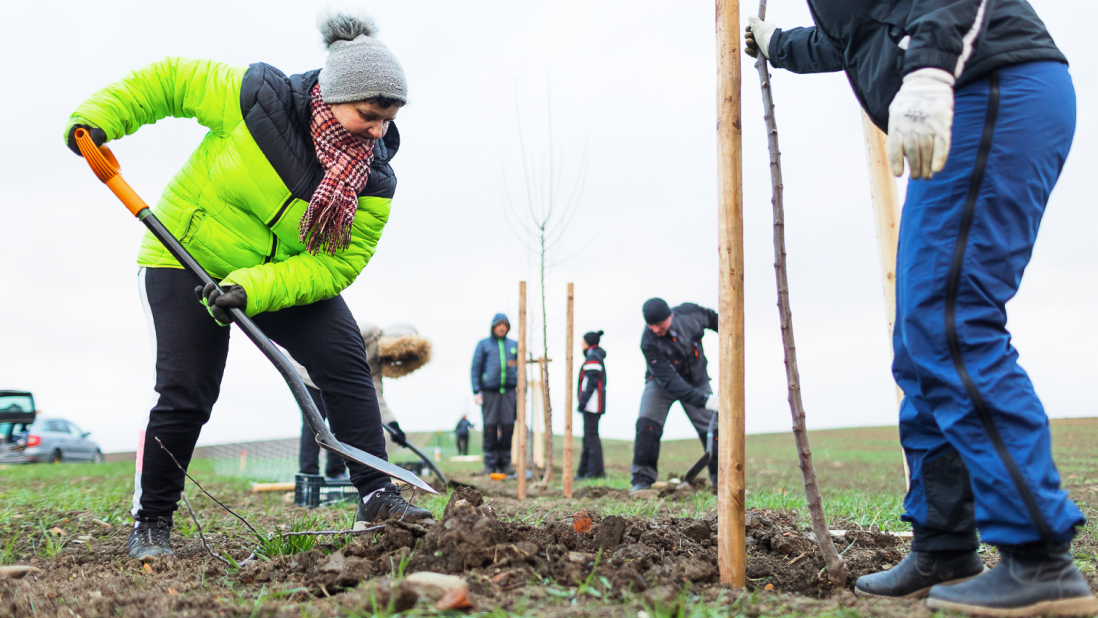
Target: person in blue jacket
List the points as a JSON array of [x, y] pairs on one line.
[[495, 376], [592, 404], [976, 96]]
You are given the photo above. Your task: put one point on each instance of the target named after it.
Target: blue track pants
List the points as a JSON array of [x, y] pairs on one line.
[[974, 432]]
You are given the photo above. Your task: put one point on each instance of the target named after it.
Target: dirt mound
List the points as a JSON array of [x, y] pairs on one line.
[[497, 558]]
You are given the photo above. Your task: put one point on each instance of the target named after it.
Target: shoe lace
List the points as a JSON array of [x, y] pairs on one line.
[[157, 535]]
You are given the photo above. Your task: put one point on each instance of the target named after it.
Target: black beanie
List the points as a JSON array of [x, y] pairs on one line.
[[592, 338], [656, 310]]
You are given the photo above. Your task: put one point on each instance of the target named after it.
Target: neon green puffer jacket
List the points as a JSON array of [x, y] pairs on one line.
[[237, 201]]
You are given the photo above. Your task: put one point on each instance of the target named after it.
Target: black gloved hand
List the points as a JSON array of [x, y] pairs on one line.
[[218, 302], [97, 135], [398, 434]]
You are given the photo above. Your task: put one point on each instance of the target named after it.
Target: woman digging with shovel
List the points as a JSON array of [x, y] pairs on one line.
[[283, 202]]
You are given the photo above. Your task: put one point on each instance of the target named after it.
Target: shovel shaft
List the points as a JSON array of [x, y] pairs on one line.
[[105, 167]]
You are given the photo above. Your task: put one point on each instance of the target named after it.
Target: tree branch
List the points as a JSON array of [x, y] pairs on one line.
[[836, 567]]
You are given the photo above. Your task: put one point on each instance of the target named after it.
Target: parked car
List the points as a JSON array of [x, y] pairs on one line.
[[16, 414], [27, 438]]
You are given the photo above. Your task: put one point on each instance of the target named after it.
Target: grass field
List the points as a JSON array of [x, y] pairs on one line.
[[71, 522]]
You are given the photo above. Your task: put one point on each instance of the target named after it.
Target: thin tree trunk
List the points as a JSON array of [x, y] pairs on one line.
[[836, 568]]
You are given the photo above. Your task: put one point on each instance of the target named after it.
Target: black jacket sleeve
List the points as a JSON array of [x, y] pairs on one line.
[[937, 29], [592, 385], [712, 319], [669, 380], [804, 50]]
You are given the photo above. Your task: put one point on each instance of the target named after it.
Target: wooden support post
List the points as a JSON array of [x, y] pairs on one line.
[[547, 408], [731, 551], [520, 392], [886, 219], [537, 402], [566, 465]]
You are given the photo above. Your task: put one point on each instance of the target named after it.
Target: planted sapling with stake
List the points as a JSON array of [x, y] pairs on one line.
[[836, 567]]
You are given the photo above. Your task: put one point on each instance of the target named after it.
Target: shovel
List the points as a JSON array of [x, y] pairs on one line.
[[106, 168]]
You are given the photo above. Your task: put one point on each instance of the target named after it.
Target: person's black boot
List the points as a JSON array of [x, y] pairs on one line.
[[1028, 581], [150, 540], [387, 501], [918, 571], [640, 485]]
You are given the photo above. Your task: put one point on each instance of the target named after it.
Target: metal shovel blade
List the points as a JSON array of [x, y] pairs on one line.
[[698, 466], [349, 452]]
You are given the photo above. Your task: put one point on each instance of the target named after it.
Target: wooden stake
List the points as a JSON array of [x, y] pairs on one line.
[[537, 401], [886, 219], [520, 391], [731, 551], [566, 465], [547, 408], [836, 568]]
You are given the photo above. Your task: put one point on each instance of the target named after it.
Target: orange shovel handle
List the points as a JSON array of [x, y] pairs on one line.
[[106, 168]]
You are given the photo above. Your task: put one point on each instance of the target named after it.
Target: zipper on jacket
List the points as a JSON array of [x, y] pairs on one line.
[[502, 367], [270, 226]]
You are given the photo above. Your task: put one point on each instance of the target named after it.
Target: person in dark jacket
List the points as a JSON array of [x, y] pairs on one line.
[[592, 404], [978, 99], [461, 434], [495, 376], [676, 371]]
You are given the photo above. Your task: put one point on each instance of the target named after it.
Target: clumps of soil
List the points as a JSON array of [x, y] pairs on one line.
[[500, 561], [786, 557]]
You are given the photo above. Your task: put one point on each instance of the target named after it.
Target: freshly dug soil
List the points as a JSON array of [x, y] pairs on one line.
[[501, 561]]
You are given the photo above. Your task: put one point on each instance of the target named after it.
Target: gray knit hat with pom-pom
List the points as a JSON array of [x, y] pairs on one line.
[[358, 66]]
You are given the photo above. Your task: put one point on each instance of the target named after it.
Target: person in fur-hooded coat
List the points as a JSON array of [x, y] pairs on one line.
[[283, 202]]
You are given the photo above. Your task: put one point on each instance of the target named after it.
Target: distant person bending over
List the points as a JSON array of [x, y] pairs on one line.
[[978, 98], [461, 434], [592, 404], [495, 376], [676, 371], [283, 202]]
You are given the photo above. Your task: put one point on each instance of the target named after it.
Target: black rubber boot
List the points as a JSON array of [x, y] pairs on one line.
[[1028, 581], [387, 502], [150, 540], [918, 571]]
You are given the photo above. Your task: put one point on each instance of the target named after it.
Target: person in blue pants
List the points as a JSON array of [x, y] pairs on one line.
[[977, 98]]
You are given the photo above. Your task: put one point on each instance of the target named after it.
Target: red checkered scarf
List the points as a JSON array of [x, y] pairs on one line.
[[346, 158]]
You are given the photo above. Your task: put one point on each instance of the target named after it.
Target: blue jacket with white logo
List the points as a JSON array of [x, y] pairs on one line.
[[495, 362]]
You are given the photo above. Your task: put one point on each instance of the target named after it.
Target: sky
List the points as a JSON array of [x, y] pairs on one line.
[[619, 93]]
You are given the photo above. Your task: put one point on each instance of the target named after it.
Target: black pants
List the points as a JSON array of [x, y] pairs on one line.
[[463, 444], [590, 465], [497, 447], [308, 451], [190, 350]]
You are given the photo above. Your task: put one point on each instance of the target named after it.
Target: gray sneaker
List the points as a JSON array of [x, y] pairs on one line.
[[387, 501], [150, 540]]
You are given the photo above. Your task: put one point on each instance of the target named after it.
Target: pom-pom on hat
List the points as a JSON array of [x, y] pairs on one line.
[[593, 338], [358, 66]]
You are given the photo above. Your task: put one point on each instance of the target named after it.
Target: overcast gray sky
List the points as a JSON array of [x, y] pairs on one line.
[[634, 81]]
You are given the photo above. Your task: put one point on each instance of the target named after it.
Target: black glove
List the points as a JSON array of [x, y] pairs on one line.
[[97, 135], [218, 302], [398, 434]]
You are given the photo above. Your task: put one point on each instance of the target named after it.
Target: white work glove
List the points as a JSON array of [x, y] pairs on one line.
[[920, 119], [479, 398], [758, 37], [713, 403]]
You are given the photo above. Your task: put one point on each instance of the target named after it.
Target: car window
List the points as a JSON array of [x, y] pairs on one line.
[[57, 426], [75, 430]]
